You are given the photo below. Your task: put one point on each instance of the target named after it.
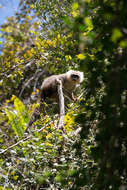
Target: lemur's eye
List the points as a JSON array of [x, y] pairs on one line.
[[75, 77]]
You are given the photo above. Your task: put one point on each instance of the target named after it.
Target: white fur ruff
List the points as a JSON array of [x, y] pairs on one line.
[[81, 74]]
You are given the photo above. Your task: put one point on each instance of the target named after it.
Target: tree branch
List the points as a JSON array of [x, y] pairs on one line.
[[61, 104]]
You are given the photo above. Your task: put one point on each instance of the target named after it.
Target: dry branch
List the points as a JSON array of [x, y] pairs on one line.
[[61, 104]]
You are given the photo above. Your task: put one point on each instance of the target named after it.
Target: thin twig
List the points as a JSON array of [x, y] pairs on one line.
[[26, 138], [35, 76]]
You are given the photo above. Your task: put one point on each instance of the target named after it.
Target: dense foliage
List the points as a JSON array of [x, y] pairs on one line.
[[105, 48], [50, 37]]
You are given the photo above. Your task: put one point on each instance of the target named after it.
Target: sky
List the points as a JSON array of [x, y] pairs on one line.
[[8, 8]]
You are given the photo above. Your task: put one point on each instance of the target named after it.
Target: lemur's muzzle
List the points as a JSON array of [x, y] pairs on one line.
[[75, 77]]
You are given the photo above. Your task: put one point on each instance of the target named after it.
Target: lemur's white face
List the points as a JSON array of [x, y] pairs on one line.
[[75, 76]]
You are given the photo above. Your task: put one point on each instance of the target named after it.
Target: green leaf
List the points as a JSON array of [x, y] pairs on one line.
[[75, 6], [116, 34]]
